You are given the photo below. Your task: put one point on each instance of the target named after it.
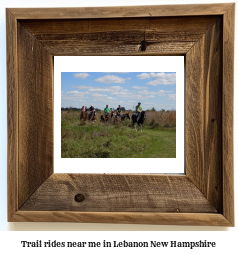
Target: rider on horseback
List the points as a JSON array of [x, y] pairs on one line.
[[82, 113], [138, 110], [106, 111], [92, 111], [118, 113]]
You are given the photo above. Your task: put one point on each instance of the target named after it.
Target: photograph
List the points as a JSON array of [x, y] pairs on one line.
[[118, 114]]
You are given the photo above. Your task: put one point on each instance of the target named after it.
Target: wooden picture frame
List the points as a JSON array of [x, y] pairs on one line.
[[204, 34]]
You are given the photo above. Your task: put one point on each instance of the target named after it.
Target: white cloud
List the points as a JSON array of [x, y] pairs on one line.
[[76, 93], [145, 92], [72, 98], [109, 79], [160, 78], [140, 87], [83, 87], [160, 92], [98, 95], [171, 97], [105, 90], [102, 98], [122, 93], [81, 75], [110, 89], [157, 82]]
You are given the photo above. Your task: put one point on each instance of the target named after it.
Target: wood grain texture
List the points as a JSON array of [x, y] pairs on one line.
[[120, 12], [192, 219], [204, 115], [140, 193], [35, 114], [72, 48], [119, 36], [227, 113], [179, 25], [12, 114]]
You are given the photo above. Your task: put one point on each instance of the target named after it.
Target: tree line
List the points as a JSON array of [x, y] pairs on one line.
[[122, 108], [79, 109]]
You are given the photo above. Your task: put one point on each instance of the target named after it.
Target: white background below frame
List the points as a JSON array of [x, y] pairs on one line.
[[120, 64]]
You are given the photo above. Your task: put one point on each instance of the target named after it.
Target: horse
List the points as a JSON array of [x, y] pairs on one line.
[[126, 115], [83, 116], [106, 117], [92, 117], [139, 120], [122, 117], [112, 114]]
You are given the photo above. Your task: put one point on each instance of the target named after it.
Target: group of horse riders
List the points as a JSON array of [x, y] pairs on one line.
[[90, 111], [107, 110]]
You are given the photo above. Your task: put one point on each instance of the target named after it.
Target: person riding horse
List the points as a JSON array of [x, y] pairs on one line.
[[138, 111], [83, 109], [106, 112], [139, 116], [91, 111], [82, 114], [119, 111]]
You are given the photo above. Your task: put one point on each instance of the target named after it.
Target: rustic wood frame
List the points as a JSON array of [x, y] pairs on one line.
[[204, 34]]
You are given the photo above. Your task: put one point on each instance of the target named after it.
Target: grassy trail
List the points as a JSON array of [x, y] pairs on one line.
[[163, 146], [107, 141]]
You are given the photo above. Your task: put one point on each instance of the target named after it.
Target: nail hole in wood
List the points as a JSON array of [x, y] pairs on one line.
[[143, 45], [79, 198], [213, 120]]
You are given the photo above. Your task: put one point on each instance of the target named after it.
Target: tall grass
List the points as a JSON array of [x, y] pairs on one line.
[[160, 119], [101, 141], [81, 139]]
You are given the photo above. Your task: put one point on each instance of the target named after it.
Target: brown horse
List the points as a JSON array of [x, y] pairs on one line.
[[83, 116], [107, 117], [112, 114]]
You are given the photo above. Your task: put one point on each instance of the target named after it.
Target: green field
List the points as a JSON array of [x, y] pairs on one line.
[[100, 140]]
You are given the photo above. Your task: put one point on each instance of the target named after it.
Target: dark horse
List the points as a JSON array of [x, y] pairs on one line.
[[123, 117], [92, 116], [139, 120]]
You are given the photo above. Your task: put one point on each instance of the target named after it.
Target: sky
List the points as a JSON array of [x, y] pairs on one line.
[[152, 89]]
